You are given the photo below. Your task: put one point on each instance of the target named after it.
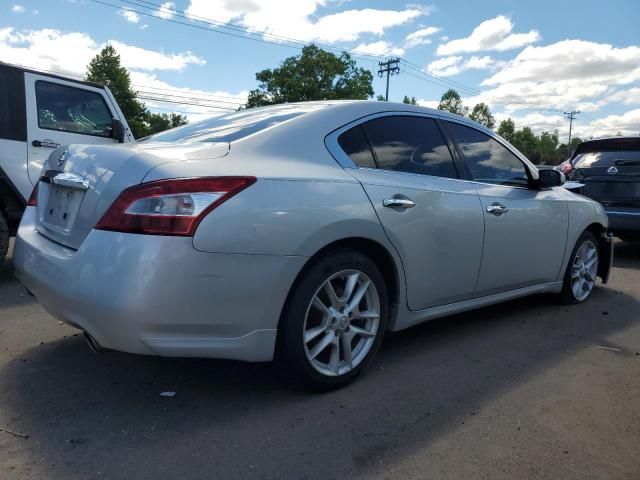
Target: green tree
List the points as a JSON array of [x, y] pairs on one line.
[[158, 122], [380, 98], [105, 68], [548, 148], [410, 101], [507, 130], [482, 114], [526, 141], [315, 74], [451, 102]]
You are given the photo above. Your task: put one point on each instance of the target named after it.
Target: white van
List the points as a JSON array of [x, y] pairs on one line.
[[40, 112]]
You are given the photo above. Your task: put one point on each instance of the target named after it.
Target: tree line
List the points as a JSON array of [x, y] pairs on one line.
[[316, 74], [543, 149]]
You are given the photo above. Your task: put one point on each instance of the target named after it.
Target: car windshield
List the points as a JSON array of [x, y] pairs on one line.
[[608, 159], [236, 125]]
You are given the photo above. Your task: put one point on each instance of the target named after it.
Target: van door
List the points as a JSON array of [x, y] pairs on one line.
[[60, 113]]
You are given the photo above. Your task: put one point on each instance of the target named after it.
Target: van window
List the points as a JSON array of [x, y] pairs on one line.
[[13, 120], [73, 110]]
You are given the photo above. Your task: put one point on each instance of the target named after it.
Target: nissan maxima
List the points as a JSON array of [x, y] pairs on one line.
[[301, 233]]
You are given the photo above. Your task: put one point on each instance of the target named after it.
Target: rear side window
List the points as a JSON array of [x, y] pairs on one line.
[[13, 121], [410, 144], [630, 158], [73, 110], [355, 144], [489, 160]]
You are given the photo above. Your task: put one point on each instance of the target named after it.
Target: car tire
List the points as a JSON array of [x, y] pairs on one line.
[[580, 275], [4, 238], [326, 340]]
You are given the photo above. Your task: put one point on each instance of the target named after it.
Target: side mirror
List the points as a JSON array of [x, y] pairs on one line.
[[548, 178], [117, 130]]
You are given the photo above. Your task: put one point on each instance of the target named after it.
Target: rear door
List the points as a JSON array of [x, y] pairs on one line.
[[63, 113], [525, 228], [610, 177], [432, 218]]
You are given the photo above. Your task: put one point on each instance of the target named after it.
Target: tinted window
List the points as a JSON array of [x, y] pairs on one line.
[[13, 122], [489, 160], [355, 144], [608, 159], [410, 144], [74, 110]]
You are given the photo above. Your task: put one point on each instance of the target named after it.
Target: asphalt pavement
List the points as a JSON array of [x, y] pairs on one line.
[[530, 389]]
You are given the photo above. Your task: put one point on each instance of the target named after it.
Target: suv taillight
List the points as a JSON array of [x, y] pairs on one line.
[[170, 207], [33, 198], [565, 167]]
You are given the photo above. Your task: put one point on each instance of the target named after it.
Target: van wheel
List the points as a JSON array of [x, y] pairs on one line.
[[4, 238], [334, 320], [582, 269]]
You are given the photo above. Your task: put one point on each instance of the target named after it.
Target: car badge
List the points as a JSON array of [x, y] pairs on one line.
[[612, 170], [62, 158]]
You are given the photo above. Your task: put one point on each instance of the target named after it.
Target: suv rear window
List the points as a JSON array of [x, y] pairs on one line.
[[608, 159]]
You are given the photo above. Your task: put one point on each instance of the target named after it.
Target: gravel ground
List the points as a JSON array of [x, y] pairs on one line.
[[519, 390]]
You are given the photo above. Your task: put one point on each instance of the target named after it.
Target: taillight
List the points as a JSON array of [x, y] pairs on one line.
[[170, 207], [33, 199], [565, 167]]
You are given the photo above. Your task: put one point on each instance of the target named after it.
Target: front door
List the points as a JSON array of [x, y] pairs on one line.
[[433, 219], [525, 228]]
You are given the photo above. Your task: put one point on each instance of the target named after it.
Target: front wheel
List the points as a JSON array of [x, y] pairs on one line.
[[334, 321], [582, 269]]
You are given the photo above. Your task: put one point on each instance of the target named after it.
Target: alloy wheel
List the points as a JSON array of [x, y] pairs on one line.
[[584, 270], [341, 322]]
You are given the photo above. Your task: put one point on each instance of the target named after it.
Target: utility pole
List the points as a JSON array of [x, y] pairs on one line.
[[390, 67], [571, 115]]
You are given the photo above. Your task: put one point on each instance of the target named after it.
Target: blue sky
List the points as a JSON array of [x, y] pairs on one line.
[[547, 56]]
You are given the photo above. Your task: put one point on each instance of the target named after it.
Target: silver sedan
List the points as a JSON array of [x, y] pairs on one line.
[[300, 232]]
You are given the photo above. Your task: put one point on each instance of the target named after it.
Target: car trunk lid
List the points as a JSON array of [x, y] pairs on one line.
[[80, 182]]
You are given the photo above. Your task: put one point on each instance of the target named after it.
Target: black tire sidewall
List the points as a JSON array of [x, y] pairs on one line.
[[290, 346], [567, 292]]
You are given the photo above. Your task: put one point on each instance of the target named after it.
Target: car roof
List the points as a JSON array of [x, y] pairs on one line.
[[610, 143]]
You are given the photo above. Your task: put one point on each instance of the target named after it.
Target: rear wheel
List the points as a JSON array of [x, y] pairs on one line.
[[334, 321], [582, 269], [4, 238]]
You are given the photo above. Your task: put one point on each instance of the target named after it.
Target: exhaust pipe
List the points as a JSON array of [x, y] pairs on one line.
[[94, 345]]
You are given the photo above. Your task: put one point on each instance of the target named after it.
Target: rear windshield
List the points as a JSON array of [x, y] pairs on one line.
[[234, 126], [608, 159]]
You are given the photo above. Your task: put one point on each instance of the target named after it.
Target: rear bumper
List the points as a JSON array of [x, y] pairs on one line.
[[623, 219], [158, 295]]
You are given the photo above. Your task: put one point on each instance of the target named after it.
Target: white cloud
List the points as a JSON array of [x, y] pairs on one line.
[[298, 18], [420, 37], [379, 48], [50, 49], [166, 10], [428, 103], [17, 9], [69, 53], [129, 15], [447, 66], [492, 34], [630, 96]]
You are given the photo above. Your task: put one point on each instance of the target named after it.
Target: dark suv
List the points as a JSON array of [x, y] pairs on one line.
[[609, 168]]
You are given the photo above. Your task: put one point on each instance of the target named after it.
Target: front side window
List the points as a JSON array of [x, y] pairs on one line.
[[489, 160], [74, 110], [410, 144]]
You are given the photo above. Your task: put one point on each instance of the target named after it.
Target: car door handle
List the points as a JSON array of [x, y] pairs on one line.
[[398, 202], [497, 209], [40, 143]]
